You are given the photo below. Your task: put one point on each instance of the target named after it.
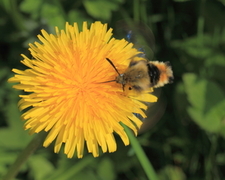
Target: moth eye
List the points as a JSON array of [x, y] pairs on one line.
[[130, 88]]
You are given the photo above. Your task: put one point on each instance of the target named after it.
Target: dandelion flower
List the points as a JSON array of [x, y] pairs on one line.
[[65, 94]]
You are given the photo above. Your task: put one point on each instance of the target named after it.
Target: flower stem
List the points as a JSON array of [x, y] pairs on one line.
[[143, 159], [24, 155]]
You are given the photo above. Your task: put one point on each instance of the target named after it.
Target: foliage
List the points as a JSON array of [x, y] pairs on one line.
[[184, 134]]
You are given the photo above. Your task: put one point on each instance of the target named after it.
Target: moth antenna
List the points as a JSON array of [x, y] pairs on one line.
[[107, 81], [112, 65]]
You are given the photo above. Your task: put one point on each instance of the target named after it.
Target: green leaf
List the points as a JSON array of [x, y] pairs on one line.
[[101, 8], [172, 173], [194, 48], [40, 167], [85, 175], [220, 158], [53, 14], [6, 159], [51, 11], [217, 59], [222, 1], [16, 136], [67, 171], [30, 6], [78, 17], [215, 67], [207, 102], [6, 4], [106, 170]]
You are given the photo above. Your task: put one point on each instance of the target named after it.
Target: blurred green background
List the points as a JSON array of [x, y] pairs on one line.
[[183, 135]]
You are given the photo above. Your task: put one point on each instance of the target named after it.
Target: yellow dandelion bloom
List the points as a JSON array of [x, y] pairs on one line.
[[66, 96]]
